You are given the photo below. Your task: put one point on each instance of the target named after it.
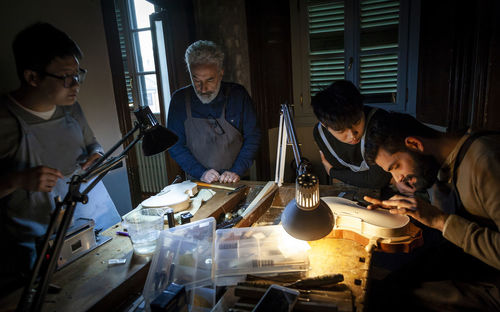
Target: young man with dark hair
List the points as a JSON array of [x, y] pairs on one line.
[[461, 273], [45, 139], [340, 135]]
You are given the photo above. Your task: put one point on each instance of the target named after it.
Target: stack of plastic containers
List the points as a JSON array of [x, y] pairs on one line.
[[257, 250], [186, 254]]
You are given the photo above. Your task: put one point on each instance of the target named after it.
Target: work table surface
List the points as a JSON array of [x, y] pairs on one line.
[[91, 284]]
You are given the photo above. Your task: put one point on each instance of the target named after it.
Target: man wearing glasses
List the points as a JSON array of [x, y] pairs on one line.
[[215, 120], [45, 138]]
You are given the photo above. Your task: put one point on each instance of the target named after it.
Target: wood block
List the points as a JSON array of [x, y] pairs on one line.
[[261, 207], [221, 202]]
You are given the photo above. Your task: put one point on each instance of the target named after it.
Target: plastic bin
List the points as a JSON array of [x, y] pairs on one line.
[[257, 250], [184, 256]]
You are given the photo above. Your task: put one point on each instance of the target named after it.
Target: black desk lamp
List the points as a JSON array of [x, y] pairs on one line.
[[306, 217], [156, 139]]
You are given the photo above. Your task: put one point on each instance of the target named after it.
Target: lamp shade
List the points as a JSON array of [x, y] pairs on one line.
[[156, 138], [307, 217]]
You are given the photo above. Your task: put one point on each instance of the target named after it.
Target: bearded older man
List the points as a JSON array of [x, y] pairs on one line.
[[215, 120]]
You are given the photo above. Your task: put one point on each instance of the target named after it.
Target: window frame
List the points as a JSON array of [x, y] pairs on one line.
[[134, 59], [408, 35]]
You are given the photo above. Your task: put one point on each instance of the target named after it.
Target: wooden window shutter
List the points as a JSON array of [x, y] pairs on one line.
[[379, 23], [326, 43]]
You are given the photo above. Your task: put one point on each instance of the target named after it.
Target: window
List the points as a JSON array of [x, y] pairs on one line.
[[136, 44], [372, 43], [137, 53]]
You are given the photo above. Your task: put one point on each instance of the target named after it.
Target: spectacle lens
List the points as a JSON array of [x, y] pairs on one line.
[[70, 79]]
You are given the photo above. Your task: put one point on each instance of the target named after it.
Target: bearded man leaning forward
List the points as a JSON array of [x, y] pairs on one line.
[[460, 272]]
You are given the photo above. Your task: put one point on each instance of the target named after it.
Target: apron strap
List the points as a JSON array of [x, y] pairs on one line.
[[10, 108], [227, 91], [460, 156], [187, 97], [368, 119]]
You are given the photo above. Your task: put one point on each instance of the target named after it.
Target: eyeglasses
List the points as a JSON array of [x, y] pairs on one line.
[[69, 79], [215, 125]]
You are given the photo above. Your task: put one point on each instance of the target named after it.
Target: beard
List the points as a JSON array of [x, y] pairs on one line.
[[208, 97], [425, 171]]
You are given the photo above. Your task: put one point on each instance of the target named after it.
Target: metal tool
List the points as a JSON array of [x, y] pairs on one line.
[[237, 189]]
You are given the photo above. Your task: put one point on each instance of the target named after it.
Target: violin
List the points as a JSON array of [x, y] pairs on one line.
[[176, 196], [376, 229]]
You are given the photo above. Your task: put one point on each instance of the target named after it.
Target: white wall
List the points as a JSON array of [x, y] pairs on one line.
[[82, 21]]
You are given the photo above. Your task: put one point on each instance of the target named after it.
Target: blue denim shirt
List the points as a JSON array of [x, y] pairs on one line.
[[239, 112]]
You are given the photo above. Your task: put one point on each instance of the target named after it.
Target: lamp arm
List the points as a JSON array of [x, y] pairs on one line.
[[30, 292], [303, 165], [137, 126], [102, 171], [290, 128], [33, 295], [134, 142], [110, 163]]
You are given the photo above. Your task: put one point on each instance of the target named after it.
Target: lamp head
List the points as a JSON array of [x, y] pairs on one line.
[[156, 138], [307, 217]]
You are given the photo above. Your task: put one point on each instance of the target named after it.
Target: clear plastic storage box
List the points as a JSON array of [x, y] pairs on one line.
[[184, 256], [257, 250]]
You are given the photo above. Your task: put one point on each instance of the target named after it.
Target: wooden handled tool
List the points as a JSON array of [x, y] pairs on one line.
[[229, 188]]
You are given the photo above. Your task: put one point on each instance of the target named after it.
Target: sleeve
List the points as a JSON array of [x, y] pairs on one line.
[[376, 177], [477, 240], [251, 135], [10, 133], [180, 152], [88, 135]]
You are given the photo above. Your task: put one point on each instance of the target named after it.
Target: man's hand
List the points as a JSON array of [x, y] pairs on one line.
[[325, 162], [404, 188], [92, 158], [39, 179], [229, 177], [414, 207], [210, 176]]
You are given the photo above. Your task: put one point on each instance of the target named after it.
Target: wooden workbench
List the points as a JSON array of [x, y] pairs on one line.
[[90, 284], [330, 255]]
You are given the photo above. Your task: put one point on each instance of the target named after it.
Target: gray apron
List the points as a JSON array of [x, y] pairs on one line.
[[58, 144], [214, 142], [363, 166]]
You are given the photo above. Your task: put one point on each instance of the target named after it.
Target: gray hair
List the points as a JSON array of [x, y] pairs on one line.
[[204, 52]]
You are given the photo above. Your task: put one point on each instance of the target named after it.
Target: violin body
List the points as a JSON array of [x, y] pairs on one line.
[[377, 229], [176, 196]]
